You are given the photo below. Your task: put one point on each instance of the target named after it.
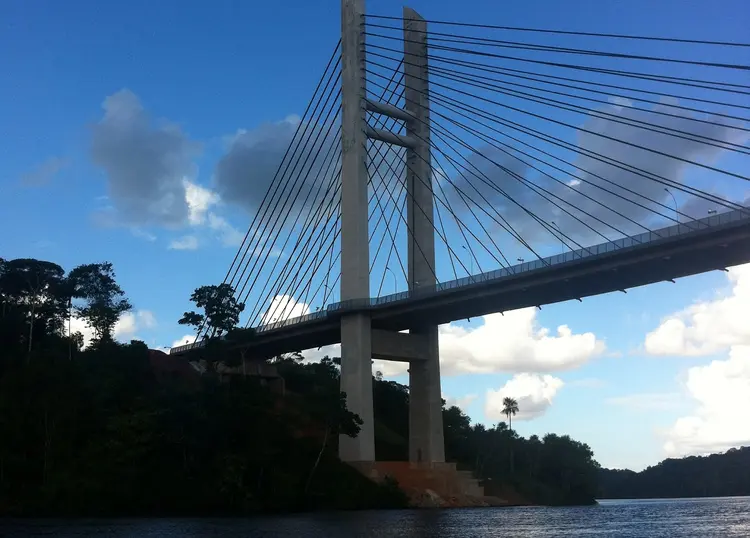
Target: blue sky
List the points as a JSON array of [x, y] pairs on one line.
[[213, 69]]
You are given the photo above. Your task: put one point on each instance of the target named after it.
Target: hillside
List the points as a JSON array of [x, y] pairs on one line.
[[116, 429], [717, 475]]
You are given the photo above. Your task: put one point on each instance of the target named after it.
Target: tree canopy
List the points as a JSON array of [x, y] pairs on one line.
[[118, 429], [103, 299], [221, 310], [717, 475]]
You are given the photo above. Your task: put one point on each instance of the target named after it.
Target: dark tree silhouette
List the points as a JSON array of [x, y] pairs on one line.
[[221, 310], [103, 301]]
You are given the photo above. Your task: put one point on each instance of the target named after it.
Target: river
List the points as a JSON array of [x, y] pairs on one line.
[[670, 518]]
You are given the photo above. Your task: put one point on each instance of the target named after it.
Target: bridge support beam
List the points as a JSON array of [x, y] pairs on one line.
[[356, 338], [426, 443], [403, 347]]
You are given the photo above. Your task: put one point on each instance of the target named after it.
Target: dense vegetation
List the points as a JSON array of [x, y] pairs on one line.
[[717, 475], [551, 470], [102, 430]]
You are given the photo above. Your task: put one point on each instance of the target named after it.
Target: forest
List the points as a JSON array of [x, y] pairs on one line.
[[717, 475], [100, 430]]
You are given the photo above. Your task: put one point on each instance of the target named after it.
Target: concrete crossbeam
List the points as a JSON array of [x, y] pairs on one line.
[[389, 110], [390, 138], [397, 346]]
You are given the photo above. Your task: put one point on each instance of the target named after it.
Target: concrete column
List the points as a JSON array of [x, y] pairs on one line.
[[356, 340], [426, 442]]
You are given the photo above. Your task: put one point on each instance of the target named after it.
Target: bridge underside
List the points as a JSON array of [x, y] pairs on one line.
[[619, 270]]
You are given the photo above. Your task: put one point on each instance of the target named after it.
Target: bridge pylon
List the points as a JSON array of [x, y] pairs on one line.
[[359, 342]]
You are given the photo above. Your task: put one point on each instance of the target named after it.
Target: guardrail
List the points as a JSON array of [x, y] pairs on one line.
[[675, 230]]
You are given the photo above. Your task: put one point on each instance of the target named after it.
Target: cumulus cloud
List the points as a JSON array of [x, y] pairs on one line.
[[228, 235], [148, 165], [186, 242], [511, 343], [199, 200], [253, 158], [145, 162], [247, 170], [126, 328], [722, 391], [647, 401], [187, 339], [514, 343], [44, 172], [462, 402], [615, 121], [533, 392], [284, 307], [707, 327]]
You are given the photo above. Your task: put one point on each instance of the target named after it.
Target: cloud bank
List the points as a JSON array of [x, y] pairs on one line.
[[721, 388]]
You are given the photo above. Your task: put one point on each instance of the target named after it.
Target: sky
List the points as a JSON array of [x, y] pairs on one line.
[[131, 133]]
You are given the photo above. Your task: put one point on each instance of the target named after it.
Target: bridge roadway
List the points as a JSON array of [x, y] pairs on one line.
[[714, 242]]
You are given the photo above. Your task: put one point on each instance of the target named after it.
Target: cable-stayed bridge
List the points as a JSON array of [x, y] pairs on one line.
[[445, 170]]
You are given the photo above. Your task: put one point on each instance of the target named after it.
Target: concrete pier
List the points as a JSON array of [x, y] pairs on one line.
[[426, 443], [356, 339]]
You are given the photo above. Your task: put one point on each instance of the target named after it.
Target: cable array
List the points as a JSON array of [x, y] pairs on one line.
[[544, 147], [541, 142]]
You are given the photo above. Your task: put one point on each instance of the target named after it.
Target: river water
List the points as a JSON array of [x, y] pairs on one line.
[[672, 518]]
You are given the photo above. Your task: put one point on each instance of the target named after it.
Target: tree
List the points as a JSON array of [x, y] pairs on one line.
[[37, 291], [104, 300], [510, 408], [221, 310], [330, 409]]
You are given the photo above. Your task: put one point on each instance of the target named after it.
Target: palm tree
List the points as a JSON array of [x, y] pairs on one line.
[[510, 408]]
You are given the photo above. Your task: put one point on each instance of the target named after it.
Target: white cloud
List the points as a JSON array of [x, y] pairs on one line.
[[186, 242], [647, 401], [587, 383], [126, 328], [721, 389], [199, 200], [143, 234], [462, 402], [187, 339], [707, 327], [388, 368], [720, 422], [534, 394], [284, 307], [514, 343], [510, 343], [228, 234]]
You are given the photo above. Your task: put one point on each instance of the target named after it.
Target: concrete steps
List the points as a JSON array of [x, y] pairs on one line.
[[428, 484]]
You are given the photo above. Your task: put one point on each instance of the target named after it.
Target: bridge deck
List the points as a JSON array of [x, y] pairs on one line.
[[701, 245]]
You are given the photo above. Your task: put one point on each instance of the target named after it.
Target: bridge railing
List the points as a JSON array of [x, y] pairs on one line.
[[718, 219]]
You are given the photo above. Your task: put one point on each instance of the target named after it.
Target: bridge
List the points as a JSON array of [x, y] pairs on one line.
[[440, 130]]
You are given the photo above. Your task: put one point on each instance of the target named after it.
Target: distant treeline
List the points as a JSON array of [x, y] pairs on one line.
[[717, 475]]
